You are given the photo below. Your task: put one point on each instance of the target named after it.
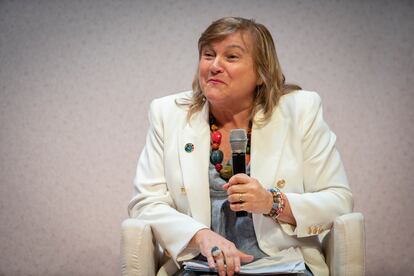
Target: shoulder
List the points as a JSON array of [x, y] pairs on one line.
[[304, 110], [172, 101], [171, 108], [171, 104], [300, 102], [300, 98]]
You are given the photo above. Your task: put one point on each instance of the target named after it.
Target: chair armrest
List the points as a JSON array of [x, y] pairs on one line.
[[138, 256], [344, 246]]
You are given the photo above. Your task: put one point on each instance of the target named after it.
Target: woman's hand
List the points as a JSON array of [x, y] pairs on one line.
[[206, 239], [247, 194]]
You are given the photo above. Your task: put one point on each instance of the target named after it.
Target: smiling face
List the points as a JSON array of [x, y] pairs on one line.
[[226, 71]]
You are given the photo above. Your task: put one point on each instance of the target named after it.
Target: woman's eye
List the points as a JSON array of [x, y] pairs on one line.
[[232, 57], [208, 54]]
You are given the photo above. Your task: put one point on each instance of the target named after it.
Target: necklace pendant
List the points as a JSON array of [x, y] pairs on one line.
[[216, 156], [226, 172], [218, 167], [216, 137]]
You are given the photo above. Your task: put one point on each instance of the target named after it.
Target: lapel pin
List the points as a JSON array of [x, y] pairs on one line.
[[189, 147]]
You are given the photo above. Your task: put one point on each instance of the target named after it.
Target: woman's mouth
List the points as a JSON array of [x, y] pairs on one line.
[[215, 81]]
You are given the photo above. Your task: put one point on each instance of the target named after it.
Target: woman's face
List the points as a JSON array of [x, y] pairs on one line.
[[226, 71]]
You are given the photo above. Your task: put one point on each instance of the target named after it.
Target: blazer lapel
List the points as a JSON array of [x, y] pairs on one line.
[[194, 165], [267, 147]]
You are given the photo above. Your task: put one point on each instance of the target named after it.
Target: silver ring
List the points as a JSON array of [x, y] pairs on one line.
[[215, 251], [241, 207], [241, 197]]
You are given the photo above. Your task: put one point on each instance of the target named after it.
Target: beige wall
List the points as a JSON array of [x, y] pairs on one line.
[[76, 79]]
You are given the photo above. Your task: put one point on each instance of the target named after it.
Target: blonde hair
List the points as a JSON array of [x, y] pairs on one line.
[[267, 65]]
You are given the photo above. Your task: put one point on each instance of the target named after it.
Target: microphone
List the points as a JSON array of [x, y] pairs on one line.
[[238, 143]]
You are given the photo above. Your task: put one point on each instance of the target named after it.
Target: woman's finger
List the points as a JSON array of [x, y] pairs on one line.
[[239, 188], [211, 262], [239, 178], [220, 264], [239, 206], [245, 258], [237, 197], [229, 257], [211, 255], [237, 264]]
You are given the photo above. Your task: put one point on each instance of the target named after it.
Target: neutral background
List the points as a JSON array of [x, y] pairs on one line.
[[76, 80]]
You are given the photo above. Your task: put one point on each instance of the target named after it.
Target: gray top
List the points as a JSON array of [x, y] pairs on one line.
[[239, 230]]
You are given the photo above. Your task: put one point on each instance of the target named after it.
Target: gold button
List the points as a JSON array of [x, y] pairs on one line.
[[281, 184], [315, 230], [183, 191]]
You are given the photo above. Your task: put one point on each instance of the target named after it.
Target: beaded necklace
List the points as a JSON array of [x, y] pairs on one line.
[[217, 156]]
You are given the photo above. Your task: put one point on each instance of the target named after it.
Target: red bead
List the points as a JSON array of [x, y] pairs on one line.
[[215, 146], [216, 137], [218, 167]]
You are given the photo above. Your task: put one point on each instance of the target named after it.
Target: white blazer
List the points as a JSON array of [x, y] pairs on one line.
[[171, 187]]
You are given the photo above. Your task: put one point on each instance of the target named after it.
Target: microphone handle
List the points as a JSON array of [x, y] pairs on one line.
[[239, 166]]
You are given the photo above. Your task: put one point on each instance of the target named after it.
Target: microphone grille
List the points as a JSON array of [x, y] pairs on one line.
[[238, 140]]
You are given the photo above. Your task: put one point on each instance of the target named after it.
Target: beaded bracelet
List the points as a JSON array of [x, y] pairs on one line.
[[278, 204]]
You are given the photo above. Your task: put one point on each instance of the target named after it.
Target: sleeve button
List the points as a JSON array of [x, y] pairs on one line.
[[281, 184]]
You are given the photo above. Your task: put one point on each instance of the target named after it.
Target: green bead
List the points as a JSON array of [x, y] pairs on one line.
[[216, 156], [226, 172]]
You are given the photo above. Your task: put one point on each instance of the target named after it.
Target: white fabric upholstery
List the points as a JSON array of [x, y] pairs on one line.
[[138, 254], [344, 248]]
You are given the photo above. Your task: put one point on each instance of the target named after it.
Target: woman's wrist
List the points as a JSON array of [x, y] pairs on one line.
[[197, 238], [269, 202], [278, 204]]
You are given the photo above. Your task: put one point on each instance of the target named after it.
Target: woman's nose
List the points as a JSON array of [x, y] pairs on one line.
[[216, 66]]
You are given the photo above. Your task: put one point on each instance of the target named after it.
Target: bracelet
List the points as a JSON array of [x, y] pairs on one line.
[[278, 204]]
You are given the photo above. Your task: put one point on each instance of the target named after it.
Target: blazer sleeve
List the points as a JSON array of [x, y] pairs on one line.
[[152, 201], [326, 191]]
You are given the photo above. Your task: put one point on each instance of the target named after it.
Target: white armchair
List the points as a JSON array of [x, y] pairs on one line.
[[344, 248]]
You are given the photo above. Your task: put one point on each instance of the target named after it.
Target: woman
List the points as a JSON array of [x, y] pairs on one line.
[[295, 183]]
